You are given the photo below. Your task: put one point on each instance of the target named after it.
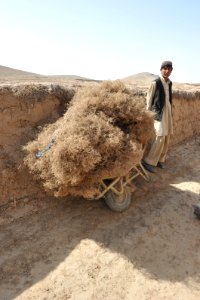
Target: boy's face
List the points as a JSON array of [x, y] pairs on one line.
[[166, 72]]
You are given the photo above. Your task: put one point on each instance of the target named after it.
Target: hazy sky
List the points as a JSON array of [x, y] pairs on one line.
[[101, 39]]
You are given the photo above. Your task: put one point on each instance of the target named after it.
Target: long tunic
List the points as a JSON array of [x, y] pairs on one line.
[[165, 126]]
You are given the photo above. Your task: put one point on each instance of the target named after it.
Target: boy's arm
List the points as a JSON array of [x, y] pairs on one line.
[[150, 95]]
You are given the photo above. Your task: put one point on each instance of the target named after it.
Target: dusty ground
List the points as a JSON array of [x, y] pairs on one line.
[[75, 249]]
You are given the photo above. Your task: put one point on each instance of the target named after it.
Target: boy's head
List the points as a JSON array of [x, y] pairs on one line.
[[166, 69]]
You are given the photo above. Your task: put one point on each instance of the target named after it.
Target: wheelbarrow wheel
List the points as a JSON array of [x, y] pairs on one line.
[[118, 203]]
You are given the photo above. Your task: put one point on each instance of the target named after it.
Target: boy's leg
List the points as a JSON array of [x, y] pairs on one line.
[[155, 151], [165, 149]]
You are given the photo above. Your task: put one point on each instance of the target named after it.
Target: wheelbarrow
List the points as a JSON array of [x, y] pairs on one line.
[[117, 191]]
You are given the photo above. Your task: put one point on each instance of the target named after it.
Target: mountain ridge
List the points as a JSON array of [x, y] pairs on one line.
[[16, 73]]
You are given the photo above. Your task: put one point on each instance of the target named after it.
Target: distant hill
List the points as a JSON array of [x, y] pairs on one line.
[[10, 72], [144, 76], [72, 77]]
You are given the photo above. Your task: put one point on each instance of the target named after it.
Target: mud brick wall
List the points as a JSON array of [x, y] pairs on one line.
[[186, 116], [23, 110]]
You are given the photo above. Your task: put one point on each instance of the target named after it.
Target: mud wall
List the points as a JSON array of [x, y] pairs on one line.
[[25, 109], [186, 116]]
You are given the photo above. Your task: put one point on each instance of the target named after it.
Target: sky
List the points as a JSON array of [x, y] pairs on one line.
[[101, 39]]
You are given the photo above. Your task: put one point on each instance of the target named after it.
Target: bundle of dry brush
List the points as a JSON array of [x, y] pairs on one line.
[[100, 136]]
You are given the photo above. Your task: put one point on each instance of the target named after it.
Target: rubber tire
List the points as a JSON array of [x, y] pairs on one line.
[[110, 199]]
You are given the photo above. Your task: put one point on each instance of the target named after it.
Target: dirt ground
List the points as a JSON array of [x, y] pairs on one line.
[[81, 250]]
